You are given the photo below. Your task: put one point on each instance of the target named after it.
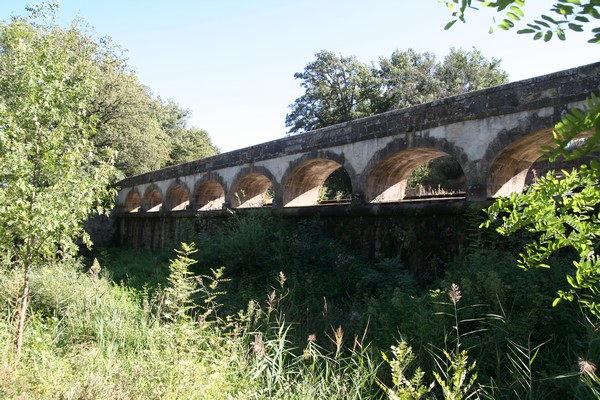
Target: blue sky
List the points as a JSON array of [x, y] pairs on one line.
[[232, 62]]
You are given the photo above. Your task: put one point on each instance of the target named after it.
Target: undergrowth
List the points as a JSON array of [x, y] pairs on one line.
[[263, 309], [90, 338]]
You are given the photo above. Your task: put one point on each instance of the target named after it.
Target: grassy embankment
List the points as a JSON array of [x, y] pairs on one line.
[[294, 314]]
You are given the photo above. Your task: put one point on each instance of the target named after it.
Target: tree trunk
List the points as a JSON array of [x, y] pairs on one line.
[[24, 302]]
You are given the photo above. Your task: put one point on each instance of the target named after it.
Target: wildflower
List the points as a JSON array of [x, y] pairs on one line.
[[95, 269], [259, 346], [312, 338], [454, 293], [586, 366], [306, 355], [282, 278], [338, 339], [272, 300]]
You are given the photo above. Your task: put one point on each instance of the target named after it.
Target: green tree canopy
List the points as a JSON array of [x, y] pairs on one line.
[[67, 102], [148, 133], [128, 118], [337, 90], [186, 144], [464, 71], [340, 89]]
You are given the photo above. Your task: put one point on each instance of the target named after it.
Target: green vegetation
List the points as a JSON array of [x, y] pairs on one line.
[[563, 16], [51, 175], [90, 338], [144, 133], [61, 95], [340, 89], [148, 133], [295, 314], [261, 307]]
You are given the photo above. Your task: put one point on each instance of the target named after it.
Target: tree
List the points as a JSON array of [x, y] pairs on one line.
[[562, 209], [51, 174], [340, 89], [406, 79], [564, 15], [465, 71], [128, 117], [148, 133], [410, 78], [186, 144]]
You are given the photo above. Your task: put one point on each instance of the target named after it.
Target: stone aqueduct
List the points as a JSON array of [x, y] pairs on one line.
[[495, 135]]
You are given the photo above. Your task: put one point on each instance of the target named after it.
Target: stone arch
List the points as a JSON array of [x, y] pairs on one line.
[[178, 196], [133, 201], [387, 174], [153, 199], [209, 193], [509, 156], [306, 175], [253, 186], [509, 168]]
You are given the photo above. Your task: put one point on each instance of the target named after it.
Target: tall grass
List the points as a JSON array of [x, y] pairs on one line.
[[154, 328], [88, 338]]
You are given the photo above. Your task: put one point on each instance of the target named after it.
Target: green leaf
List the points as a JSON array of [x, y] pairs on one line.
[[556, 301], [561, 34], [549, 19], [595, 40], [450, 24], [522, 31], [542, 23], [506, 24], [517, 10], [548, 36], [594, 13], [564, 10], [575, 27]]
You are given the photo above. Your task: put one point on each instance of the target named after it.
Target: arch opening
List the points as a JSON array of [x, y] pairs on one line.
[[337, 188], [304, 185], [209, 195], [133, 202], [511, 166], [178, 197], [415, 173], [152, 200], [439, 177], [251, 191]]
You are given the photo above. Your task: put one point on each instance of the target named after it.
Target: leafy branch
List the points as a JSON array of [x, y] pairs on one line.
[[564, 15]]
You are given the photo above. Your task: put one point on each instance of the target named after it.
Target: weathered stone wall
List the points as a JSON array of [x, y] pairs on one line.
[[102, 230], [424, 234]]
